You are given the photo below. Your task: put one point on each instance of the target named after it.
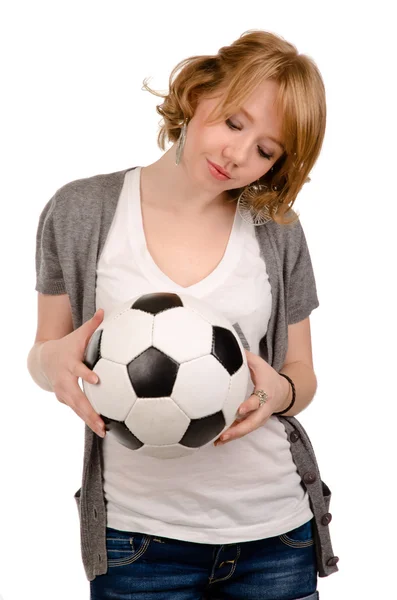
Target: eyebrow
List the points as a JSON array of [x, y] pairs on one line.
[[250, 118]]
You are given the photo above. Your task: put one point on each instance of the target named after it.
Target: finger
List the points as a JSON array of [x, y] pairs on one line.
[[253, 358], [237, 420], [80, 404], [241, 428], [92, 324], [81, 370], [251, 403], [97, 316]]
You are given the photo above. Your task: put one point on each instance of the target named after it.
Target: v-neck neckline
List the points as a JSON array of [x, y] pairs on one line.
[[149, 267]]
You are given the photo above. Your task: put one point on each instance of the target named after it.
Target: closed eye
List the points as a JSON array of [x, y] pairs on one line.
[[261, 152]]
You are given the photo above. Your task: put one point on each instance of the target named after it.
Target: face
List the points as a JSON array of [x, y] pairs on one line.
[[245, 146]]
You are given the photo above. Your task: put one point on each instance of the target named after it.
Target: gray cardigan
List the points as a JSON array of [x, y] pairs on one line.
[[71, 234]]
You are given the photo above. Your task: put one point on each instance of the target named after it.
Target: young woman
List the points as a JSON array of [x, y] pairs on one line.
[[247, 517]]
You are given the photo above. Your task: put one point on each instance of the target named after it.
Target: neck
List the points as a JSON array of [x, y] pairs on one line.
[[176, 189]]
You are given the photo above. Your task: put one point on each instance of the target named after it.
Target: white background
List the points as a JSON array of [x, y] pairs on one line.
[[72, 107]]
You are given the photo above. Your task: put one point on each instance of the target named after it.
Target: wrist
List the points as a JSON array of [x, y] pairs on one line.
[[286, 396], [291, 398], [42, 347]]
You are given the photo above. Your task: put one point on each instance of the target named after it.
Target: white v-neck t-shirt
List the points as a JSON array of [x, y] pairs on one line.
[[247, 489]]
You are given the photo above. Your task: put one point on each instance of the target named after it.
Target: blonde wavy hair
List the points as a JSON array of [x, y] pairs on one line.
[[235, 71]]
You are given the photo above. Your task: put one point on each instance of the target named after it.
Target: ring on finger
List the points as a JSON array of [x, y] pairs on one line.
[[262, 396]]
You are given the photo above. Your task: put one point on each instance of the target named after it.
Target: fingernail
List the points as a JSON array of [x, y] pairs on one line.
[[242, 411]]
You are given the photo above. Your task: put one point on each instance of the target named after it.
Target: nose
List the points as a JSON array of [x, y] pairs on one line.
[[237, 154]]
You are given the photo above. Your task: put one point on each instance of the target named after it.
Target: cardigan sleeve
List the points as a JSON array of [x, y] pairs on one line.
[[302, 291], [49, 276]]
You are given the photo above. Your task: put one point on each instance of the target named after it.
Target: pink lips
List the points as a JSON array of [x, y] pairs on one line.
[[217, 171]]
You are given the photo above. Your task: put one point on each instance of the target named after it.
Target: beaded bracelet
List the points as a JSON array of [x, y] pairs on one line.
[[293, 395]]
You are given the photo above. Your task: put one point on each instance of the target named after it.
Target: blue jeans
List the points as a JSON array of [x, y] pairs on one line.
[[148, 567]]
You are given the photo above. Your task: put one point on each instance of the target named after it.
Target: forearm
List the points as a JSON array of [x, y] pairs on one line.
[[305, 382], [35, 369]]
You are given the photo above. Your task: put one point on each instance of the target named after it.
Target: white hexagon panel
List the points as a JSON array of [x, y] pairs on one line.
[[126, 336], [240, 390], [182, 334], [114, 395], [201, 387], [157, 421]]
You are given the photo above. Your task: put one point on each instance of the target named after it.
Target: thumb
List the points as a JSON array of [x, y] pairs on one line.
[[88, 328], [90, 325], [251, 359], [251, 363], [98, 317]]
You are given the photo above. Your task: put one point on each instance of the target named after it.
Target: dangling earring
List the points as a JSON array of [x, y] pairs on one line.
[[244, 204], [181, 142]]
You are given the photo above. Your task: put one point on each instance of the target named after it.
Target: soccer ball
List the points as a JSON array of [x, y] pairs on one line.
[[172, 374]]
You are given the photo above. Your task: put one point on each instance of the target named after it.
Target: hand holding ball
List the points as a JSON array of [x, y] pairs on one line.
[[172, 374]]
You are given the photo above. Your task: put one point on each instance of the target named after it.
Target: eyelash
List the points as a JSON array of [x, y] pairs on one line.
[[261, 153]]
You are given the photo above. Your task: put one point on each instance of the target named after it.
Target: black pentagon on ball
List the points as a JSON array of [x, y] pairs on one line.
[[93, 350], [122, 433], [201, 431], [157, 303], [152, 374], [226, 349]]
